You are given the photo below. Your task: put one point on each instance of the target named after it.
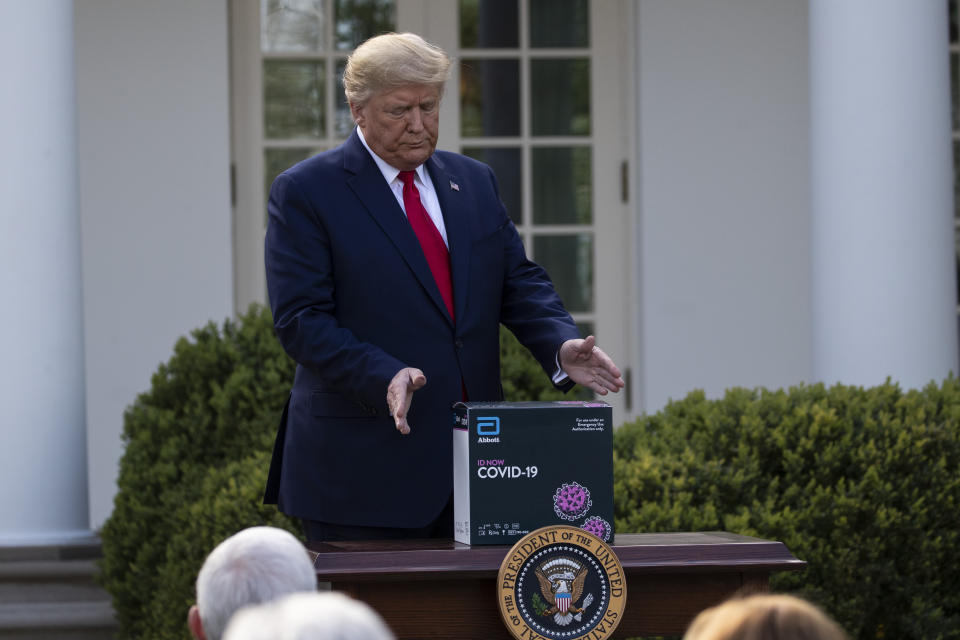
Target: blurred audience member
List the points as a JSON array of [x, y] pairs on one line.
[[764, 617], [309, 616], [256, 565]]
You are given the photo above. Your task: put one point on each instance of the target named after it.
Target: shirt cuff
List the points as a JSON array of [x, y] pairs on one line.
[[559, 376]]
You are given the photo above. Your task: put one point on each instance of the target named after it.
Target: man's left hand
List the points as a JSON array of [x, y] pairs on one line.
[[585, 363]]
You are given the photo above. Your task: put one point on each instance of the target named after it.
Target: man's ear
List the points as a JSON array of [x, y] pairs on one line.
[[193, 621], [357, 113]]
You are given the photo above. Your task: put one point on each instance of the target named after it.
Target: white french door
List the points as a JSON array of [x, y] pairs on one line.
[[543, 92]]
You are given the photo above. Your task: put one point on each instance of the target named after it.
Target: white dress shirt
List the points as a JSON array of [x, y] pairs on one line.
[[428, 195]]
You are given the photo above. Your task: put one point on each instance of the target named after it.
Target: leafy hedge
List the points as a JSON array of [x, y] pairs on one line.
[[198, 447], [862, 484], [522, 377]]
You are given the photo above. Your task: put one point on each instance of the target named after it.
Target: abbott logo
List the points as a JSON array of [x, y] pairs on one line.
[[488, 425]]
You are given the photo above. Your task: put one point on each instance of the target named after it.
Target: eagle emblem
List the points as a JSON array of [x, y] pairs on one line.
[[561, 584]]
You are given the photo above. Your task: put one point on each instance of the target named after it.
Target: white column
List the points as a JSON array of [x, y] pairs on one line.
[[884, 293], [43, 480]]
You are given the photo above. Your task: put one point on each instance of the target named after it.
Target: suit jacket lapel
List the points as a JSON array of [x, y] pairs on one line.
[[453, 204], [367, 183]]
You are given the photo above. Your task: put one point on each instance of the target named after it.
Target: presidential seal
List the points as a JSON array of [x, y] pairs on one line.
[[561, 583]]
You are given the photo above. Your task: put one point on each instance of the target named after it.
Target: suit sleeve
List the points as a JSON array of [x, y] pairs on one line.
[[300, 285]]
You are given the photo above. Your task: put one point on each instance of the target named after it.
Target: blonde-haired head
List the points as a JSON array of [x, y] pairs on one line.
[[393, 60], [764, 617]]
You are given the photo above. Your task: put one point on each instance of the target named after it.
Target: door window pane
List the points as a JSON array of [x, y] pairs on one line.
[[342, 118], [293, 99], [506, 165], [560, 96], [276, 161], [292, 25], [954, 30], [955, 106], [956, 240], [586, 329], [956, 179], [357, 20], [562, 185], [569, 261], [489, 98], [955, 88], [489, 24], [559, 23]]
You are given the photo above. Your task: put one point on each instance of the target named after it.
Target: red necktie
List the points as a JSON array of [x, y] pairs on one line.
[[430, 239]]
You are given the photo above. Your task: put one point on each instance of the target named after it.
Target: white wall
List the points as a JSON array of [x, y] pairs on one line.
[[724, 196], [153, 122]]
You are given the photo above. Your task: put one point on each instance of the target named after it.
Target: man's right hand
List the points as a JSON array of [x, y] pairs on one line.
[[400, 395]]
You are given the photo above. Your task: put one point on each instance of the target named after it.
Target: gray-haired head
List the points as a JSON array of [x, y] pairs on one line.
[[393, 60], [309, 616], [255, 565]]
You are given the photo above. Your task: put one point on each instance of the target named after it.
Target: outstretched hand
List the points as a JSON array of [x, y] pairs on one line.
[[586, 364], [400, 395]]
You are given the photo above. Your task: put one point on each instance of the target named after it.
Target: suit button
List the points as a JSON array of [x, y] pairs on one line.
[[458, 344]]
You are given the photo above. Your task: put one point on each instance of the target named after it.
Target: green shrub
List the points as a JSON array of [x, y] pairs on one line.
[[216, 402], [524, 379], [198, 447], [862, 484], [230, 500]]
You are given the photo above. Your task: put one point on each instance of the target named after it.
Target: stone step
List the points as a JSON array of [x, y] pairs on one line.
[[57, 634], [46, 581], [48, 569], [49, 592], [59, 616], [45, 592], [80, 549]]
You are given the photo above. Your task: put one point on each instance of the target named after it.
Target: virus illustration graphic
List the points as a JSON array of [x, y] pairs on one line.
[[598, 527], [571, 501]]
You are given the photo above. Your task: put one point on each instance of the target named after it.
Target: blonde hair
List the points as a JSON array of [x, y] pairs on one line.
[[764, 617], [393, 60]]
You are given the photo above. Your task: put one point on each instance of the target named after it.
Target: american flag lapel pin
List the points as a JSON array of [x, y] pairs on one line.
[[454, 186]]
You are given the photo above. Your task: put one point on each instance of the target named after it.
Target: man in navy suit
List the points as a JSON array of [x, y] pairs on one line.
[[390, 267]]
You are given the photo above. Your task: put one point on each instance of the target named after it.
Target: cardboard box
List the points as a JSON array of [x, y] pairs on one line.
[[519, 466]]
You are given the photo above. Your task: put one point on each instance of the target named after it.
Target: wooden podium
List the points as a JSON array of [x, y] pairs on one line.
[[444, 589]]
